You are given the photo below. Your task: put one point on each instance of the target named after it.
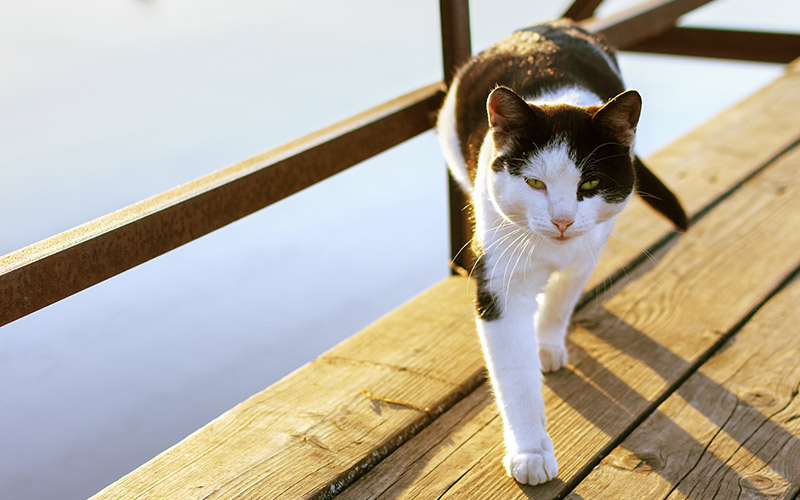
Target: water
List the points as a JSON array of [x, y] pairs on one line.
[[107, 103]]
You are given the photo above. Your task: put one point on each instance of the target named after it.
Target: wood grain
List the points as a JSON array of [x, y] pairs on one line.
[[630, 350], [731, 431]]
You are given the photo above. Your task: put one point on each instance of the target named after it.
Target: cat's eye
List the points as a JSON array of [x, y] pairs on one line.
[[589, 185], [535, 183]]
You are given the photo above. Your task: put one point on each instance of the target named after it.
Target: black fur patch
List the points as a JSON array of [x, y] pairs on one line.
[[486, 304]]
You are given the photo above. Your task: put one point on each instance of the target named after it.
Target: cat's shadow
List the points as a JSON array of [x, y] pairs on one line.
[[622, 402]]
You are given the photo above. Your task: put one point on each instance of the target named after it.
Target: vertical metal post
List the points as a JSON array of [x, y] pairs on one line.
[[456, 50]]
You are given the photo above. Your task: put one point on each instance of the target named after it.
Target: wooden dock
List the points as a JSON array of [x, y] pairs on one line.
[[683, 377]]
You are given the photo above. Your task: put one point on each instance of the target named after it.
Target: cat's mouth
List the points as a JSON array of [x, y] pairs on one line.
[[561, 238]]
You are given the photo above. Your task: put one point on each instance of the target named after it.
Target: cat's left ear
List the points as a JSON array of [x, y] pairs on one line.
[[508, 114], [620, 116]]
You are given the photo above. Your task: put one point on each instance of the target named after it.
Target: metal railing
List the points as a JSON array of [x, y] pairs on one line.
[[43, 273]]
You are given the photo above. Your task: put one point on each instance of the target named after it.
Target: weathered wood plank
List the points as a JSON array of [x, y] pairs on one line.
[[628, 352], [404, 473], [731, 431], [424, 354]]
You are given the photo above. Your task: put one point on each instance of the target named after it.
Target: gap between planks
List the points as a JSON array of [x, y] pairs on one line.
[[673, 388], [765, 447]]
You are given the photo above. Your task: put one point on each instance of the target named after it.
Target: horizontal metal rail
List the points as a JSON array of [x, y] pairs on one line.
[[641, 22], [53, 269], [48, 271], [725, 44]]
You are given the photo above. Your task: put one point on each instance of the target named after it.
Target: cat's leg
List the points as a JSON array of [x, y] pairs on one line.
[[509, 345], [562, 292]]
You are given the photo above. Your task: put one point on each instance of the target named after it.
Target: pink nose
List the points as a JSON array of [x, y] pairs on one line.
[[562, 225]]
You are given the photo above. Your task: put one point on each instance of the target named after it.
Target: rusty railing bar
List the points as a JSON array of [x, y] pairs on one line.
[[724, 44], [46, 272], [641, 22], [582, 9], [456, 50]]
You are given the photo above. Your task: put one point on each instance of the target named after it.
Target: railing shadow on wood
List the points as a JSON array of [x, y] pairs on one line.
[[43, 273]]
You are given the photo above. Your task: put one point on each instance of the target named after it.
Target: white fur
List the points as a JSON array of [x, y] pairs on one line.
[[575, 96], [535, 279]]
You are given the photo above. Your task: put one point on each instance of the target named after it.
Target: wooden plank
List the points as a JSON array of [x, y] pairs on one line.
[[409, 471], [630, 351], [732, 430], [726, 44], [48, 271], [430, 342], [641, 22]]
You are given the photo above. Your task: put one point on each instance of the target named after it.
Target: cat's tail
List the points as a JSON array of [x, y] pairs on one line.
[[659, 196]]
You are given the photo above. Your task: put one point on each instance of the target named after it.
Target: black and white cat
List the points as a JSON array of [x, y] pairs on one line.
[[539, 131]]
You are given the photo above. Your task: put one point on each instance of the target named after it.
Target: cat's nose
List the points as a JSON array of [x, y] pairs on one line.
[[562, 224]]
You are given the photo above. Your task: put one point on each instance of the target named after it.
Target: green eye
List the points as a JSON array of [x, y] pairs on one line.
[[589, 185], [535, 183]]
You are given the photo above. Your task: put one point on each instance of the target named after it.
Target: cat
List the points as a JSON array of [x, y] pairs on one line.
[[539, 130]]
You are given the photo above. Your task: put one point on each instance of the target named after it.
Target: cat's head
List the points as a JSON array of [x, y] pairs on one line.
[[561, 169]]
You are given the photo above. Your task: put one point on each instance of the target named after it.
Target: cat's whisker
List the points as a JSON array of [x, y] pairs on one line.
[[500, 258], [644, 251], [648, 195], [453, 260], [608, 177], [598, 160], [521, 246], [585, 161], [484, 251], [529, 258], [506, 223], [595, 257], [472, 271], [504, 238], [621, 265]]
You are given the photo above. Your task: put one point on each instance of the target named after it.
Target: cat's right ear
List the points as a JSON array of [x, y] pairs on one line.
[[508, 113]]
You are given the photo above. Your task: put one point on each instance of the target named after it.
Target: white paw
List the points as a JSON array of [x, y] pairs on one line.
[[531, 468], [552, 356]]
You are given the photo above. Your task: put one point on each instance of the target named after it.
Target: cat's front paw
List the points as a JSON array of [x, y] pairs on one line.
[[552, 356], [531, 468]]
